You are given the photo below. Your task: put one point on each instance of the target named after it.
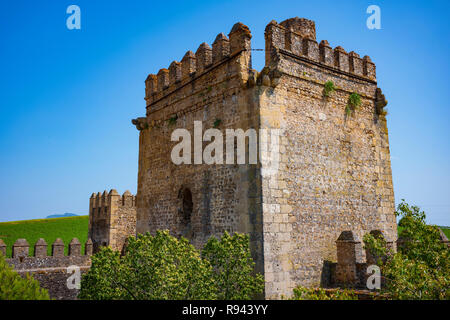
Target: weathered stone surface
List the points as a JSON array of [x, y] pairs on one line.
[[2, 247], [20, 248], [40, 248], [53, 271], [58, 248]]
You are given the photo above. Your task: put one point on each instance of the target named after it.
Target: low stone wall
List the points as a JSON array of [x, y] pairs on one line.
[[351, 267], [57, 272]]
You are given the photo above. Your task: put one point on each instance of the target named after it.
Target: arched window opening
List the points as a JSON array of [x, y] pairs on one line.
[[187, 206]]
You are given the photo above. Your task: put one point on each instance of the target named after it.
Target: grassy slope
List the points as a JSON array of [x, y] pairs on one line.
[[446, 230], [49, 229]]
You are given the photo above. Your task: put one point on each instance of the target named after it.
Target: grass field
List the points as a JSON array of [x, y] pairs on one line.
[[446, 230], [49, 229]]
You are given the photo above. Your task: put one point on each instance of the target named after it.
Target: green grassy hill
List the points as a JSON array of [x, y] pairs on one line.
[[446, 231], [49, 229]]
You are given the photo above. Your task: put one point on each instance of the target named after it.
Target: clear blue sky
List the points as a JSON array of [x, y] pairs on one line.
[[67, 96]]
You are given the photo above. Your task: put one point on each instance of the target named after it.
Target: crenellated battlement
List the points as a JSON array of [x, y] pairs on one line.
[[194, 65], [103, 201], [21, 248], [52, 271], [297, 37]]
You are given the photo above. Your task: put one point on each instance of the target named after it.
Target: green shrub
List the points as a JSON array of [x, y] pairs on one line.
[[14, 287], [164, 267], [157, 267], [421, 267], [233, 267]]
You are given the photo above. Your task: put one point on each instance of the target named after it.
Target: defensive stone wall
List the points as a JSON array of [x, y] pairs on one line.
[[52, 272]]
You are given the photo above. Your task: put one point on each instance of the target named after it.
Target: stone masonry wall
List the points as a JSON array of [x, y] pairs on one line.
[[199, 200], [51, 271], [335, 172]]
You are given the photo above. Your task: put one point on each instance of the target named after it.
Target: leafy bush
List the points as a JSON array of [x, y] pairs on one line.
[[164, 267], [421, 267], [233, 267], [302, 293], [14, 287], [153, 267]]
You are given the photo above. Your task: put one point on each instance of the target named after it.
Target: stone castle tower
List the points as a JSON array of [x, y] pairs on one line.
[[334, 172], [112, 218]]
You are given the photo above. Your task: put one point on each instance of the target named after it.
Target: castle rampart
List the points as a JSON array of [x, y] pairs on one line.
[[52, 271]]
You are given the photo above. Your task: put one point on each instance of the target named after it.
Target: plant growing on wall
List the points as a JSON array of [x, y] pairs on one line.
[[172, 120], [353, 103], [217, 123], [328, 88]]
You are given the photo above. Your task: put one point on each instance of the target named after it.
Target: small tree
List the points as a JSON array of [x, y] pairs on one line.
[[421, 267], [164, 267], [14, 287], [153, 267], [233, 267]]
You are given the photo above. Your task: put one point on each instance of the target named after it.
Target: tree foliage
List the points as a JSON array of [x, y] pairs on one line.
[[421, 267], [153, 268], [164, 267], [14, 287], [233, 267]]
